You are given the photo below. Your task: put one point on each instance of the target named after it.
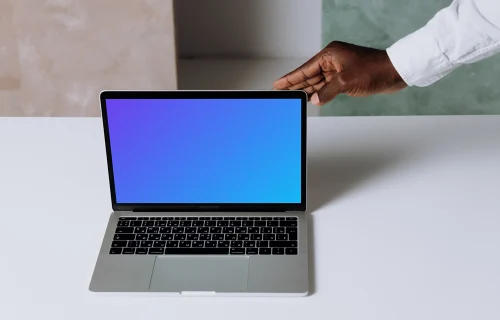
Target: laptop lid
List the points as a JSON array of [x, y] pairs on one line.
[[206, 150]]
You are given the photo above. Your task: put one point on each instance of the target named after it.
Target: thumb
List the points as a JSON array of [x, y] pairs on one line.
[[328, 92]]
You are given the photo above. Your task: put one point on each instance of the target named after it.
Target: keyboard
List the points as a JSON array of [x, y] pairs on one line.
[[205, 235]]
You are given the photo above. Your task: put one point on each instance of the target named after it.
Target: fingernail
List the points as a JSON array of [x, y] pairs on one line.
[[315, 99]]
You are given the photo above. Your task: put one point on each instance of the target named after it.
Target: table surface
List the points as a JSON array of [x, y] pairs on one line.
[[405, 216]]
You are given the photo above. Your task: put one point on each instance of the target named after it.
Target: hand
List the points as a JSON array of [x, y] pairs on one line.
[[343, 68]]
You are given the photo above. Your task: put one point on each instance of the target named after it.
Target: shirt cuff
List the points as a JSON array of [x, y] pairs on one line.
[[418, 59]]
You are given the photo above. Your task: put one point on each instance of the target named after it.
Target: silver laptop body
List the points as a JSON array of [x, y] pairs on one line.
[[224, 247]]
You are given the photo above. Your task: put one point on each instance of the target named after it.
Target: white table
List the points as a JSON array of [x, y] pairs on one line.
[[406, 216]]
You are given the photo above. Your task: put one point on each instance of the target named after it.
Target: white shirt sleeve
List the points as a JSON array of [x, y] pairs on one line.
[[465, 32]]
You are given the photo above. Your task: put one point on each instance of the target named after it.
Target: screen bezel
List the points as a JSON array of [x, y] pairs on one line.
[[208, 207]]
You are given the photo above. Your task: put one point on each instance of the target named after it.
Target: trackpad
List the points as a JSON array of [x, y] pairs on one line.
[[200, 273]]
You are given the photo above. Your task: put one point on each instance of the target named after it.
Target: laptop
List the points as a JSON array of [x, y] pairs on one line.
[[208, 192]]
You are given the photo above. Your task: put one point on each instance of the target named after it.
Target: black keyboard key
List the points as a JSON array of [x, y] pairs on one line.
[[141, 251], [266, 218], [115, 251], [229, 218], [159, 244], [124, 237], [156, 236], [172, 244], [281, 237], [118, 244], [180, 236], [210, 244], [141, 237], [228, 230], [222, 223], [124, 230], [265, 251], [215, 229], [291, 230], [256, 236], [252, 251], [278, 251], [247, 223], [167, 218], [292, 236], [143, 218], [136, 223], [249, 244], [240, 229], [203, 230], [237, 251], [148, 224], [153, 230], [190, 230], [185, 244], [181, 218], [123, 223], [291, 251], [283, 244], [230, 237], [219, 236], [156, 218], [166, 230], [205, 236], [235, 223], [178, 230], [192, 218], [252, 218], [186, 223], [273, 223], [197, 251], [217, 218], [260, 223], [279, 230], [237, 244], [127, 218], [160, 223], [269, 236], [133, 244], [198, 244], [198, 223], [223, 244], [266, 230], [173, 223], [139, 230], [210, 223], [167, 236], [288, 223], [128, 251], [253, 230], [155, 251], [243, 236], [262, 244], [192, 237], [146, 244], [291, 218]]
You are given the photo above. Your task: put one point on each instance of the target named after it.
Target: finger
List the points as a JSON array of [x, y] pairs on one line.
[[312, 89], [308, 82], [310, 69], [328, 92]]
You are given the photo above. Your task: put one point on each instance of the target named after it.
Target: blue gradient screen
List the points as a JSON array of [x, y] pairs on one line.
[[205, 151]]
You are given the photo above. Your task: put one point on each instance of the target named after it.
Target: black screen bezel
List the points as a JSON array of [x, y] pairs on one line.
[[197, 207]]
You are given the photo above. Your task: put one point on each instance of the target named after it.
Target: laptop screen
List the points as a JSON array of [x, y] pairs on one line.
[[206, 151]]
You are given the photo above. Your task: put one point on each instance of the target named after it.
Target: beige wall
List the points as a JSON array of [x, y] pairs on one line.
[[57, 55]]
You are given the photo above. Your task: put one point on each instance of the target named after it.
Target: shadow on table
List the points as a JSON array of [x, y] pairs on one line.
[[330, 178]]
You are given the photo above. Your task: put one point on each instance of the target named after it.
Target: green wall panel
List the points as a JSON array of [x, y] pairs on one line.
[[471, 89]]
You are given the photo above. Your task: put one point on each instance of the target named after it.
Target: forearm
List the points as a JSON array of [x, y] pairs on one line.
[[465, 32]]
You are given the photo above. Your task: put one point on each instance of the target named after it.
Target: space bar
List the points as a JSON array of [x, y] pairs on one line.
[[196, 250]]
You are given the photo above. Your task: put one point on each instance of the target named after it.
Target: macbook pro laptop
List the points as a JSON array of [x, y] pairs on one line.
[[208, 193]]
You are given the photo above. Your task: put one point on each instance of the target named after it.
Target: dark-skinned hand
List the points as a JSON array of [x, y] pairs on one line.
[[343, 68]]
